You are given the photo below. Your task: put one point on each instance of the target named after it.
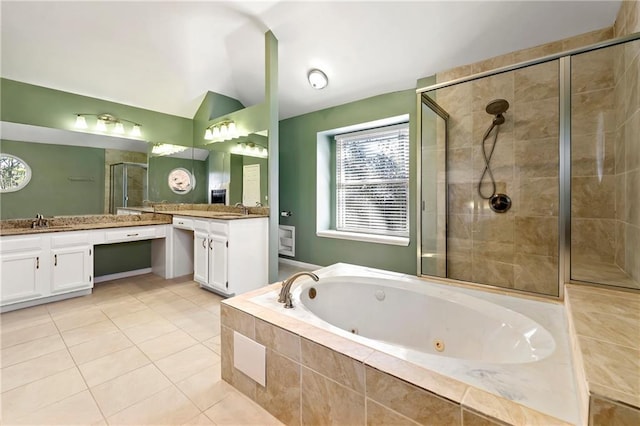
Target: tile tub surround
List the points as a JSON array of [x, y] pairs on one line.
[[319, 369], [83, 222], [605, 330]]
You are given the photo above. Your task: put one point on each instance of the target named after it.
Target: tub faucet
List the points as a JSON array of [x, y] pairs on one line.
[[285, 291]]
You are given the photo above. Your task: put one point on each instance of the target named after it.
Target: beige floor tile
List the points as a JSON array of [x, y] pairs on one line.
[[122, 306], [113, 365], [205, 388], [35, 369], [79, 318], [236, 409], [189, 291], [201, 325], [89, 332], [174, 306], [188, 362], [69, 305], [200, 420], [214, 344], [168, 407], [167, 344], [136, 318], [79, 409], [149, 330], [33, 349], [117, 394], [26, 399], [97, 348], [23, 318], [15, 337]]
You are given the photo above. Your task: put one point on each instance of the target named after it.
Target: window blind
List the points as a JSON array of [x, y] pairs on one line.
[[372, 181]]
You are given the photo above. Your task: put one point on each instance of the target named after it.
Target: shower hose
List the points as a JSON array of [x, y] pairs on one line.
[[487, 159]]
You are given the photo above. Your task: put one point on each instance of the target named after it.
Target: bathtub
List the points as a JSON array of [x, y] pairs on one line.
[[514, 347]]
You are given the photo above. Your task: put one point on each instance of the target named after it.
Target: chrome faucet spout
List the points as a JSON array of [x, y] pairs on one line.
[[285, 291], [245, 209]]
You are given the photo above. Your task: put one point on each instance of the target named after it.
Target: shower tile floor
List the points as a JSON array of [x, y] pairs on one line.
[[140, 350]]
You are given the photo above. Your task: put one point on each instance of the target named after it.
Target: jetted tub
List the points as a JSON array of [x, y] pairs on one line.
[[510, 346]]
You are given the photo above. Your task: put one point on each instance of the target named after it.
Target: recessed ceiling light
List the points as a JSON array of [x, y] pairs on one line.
[[318, 79]]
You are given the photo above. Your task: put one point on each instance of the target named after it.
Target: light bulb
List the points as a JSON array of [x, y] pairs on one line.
[[119, 128], [101, 125], [81, 122], [208, 135], [216, 132], [223, 131], [136, 131], [232, 129]]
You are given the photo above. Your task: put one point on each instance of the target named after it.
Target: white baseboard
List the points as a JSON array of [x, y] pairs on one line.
[[299, 264], [119, 275]]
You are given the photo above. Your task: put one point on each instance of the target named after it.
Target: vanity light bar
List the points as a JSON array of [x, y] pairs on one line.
[[250, 149], [223, 131], [103, 120]]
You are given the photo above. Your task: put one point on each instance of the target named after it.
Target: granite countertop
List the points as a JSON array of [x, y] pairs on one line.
[[214, 214], [80, 223]]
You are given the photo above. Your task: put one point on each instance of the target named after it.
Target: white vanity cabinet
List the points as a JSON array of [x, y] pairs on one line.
[[22, 269], [72, 262], [44, 265], [231, 256]]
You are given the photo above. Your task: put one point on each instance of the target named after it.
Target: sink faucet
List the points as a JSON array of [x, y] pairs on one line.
[[245, 210], [285, 291], [39, 222]]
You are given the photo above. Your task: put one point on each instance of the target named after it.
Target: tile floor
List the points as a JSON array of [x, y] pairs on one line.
[[140, 350]]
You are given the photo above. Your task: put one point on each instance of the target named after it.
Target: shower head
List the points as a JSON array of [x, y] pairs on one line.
[[497, 107]]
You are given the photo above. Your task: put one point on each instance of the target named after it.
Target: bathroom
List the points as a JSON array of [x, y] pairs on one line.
[[478, 250]]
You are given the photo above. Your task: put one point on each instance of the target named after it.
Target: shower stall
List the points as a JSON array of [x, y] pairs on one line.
[[128, 185], [529, 175]]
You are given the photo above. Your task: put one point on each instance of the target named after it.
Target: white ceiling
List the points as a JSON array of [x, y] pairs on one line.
[[164, 56]]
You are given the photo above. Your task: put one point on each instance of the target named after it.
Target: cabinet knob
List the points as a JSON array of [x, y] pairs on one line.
[[204, 243], [210, 242]]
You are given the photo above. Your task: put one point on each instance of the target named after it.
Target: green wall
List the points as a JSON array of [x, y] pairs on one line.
[[41, 106], [65, 180], [298, 140], [114, 258]]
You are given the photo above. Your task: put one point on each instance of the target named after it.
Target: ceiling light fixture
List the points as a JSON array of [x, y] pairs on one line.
[[223, 131], [317, 79], [104, 122]]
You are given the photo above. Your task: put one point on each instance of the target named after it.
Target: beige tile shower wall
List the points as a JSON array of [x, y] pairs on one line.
[[593, 182], [627, 145], [518, 249]]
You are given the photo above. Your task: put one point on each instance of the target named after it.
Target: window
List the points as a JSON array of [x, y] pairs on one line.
[[14, 173], [372, 181]]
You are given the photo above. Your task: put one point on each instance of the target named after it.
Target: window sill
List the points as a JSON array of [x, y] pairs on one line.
[[367, 238]]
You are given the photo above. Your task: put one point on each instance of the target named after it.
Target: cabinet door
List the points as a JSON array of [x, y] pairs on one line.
[[201, 257], [21, 276], [218, 262], [71, 269]]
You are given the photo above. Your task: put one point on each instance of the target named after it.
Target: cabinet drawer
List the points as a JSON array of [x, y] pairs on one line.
[[9, 244], [220, 228], [68, 239], [131, 234], [183, 223]]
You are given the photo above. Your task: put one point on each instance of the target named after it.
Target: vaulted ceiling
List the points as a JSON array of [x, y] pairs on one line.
[[164, 56]]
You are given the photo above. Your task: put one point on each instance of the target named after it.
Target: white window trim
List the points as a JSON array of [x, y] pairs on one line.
[[323, 187], [367, 238]]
